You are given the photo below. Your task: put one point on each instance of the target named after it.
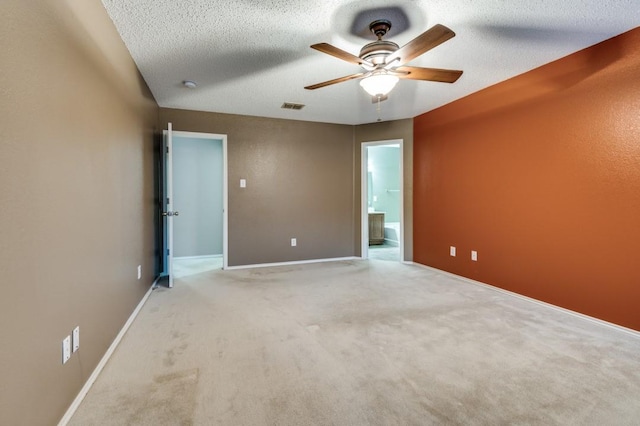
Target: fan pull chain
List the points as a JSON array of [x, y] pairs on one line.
[[378, 108]]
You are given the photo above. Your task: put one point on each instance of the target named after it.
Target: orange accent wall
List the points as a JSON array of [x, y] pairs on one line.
[[541, 175]]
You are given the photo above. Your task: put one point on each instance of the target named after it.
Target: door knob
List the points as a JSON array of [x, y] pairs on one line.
[[170, 213]]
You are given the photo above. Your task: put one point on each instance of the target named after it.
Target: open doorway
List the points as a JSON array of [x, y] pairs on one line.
[[194, 175], [382, 200], [198, 182]]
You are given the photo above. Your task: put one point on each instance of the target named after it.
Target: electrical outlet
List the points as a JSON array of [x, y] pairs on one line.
[[474, 255], [66, 349], [75, 339], [294, 242], [452, 251], [139, 271]]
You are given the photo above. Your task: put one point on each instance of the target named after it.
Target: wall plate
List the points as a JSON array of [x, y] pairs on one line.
[[76, 339], [66, 349]]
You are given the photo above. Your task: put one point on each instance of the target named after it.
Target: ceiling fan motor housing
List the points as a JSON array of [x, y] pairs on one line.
[[376, 52]]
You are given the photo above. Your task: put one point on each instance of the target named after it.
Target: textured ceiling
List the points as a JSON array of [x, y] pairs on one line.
[[249, 57]]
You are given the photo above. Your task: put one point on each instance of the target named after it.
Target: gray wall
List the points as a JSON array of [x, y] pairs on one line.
[[197, 195], [76, 199], [300, 184], [303, 181]]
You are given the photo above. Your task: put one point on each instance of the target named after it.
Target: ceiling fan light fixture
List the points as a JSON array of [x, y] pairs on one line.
[[379, 84]]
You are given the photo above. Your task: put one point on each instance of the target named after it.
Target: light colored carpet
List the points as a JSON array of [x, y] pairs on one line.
[[361, 343], [384, 252], [185, 267]]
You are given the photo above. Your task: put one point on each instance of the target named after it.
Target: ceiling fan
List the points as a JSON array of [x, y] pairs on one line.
[[383, 61]]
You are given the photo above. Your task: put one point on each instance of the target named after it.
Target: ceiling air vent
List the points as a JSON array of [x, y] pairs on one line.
[[289, 105]]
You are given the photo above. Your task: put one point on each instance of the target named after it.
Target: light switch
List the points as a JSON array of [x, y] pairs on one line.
[[452, 251], [243, 183], [474, 255]]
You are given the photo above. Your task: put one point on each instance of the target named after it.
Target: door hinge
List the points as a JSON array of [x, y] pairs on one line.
[[168, 200], [167, 150], [168, 252]]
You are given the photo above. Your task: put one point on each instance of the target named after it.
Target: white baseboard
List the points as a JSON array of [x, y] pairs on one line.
[[634, 333], [297, 262], [105, 358]]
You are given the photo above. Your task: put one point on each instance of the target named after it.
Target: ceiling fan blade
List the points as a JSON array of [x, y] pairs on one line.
[[339, 53], [426, 41], [336, 80], [429, 74]]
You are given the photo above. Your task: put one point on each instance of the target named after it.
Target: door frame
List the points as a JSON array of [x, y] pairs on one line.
[[364, 192], [225, 185]]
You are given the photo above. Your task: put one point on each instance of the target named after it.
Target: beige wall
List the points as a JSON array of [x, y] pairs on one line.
[[299, 185], [76, 199], [399, 129]]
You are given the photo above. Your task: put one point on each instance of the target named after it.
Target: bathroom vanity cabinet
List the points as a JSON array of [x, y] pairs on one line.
[[376, 228]]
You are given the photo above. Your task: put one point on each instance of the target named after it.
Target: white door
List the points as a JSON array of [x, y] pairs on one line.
[[168, 212]]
